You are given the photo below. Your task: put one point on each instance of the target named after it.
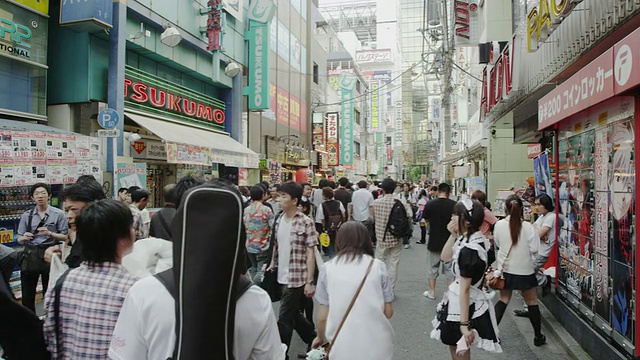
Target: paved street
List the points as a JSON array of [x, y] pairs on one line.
[[413, 314]]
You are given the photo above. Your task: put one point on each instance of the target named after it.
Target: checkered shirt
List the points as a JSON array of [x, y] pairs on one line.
[[139, 227], [303, 235], [90, 302], [382, 209]]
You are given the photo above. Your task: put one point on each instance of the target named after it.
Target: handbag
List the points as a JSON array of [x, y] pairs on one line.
[[270, 284], [324, 350], [496, 282]]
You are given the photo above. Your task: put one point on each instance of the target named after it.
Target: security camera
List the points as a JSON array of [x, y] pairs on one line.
[[232, 69]]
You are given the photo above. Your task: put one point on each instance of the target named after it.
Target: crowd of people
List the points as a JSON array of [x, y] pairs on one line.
[[330, 245]]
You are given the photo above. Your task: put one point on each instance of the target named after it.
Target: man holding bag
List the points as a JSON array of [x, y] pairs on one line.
[[40, 228]]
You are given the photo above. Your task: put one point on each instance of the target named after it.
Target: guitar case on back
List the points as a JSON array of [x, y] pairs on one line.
[[208, 258]]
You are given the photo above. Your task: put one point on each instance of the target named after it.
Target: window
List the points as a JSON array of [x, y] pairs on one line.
[[315, 73], [359, 87], [356, 149], [357, 116]]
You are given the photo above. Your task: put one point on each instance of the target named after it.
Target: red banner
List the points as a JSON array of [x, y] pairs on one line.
[[289, 110]]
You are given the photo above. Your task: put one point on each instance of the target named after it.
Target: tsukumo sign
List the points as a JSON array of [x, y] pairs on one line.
[[149, 93], [610, 74], [260, 12]]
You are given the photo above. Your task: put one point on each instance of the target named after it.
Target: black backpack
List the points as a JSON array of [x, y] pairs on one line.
[[399, 225], [333, 218]]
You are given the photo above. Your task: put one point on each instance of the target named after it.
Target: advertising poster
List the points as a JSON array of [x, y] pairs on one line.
[[21, 145], [601, 224], [243, 176], [131, 174], [7, 176], [6, 144], [95, 170], [83, 148], [318, 129], [38, 145], [23, 172], [95, 148], [69, 171], [55, 171], [474, 183], [68, 146], [54, 146], [621, 216], [499, 202], [39, 170], [333, 141], [541, 174]]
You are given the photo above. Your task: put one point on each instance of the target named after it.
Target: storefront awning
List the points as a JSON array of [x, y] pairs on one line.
[[219, 147]]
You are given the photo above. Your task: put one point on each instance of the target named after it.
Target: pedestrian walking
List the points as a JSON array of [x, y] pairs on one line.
[[388, 246], [438, 213], [331, 215], [407, 195], [294, 242], [258, 221], [366, 332], [361, 207], [81, 317], [545, 228], [160, 225], [40, 228], [343, 194], [464, 316], [146, 327], [423, 198], [517, 241], [274, 201]]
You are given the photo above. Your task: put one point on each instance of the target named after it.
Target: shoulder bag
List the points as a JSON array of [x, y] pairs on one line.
[[497, 282], [327, 347]]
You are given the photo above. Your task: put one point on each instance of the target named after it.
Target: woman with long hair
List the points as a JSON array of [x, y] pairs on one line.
[[517, 240], [367, 332], [422, 201], [465, 313]]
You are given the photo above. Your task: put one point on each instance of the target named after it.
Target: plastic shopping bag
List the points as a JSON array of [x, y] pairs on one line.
[[57, 269]]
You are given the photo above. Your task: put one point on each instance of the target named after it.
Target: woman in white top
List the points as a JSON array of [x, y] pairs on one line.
[[519, 240], [367, 332], [422, 201]]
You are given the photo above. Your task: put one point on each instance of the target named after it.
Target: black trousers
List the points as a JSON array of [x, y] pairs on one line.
[[29, 284], [291, 317]]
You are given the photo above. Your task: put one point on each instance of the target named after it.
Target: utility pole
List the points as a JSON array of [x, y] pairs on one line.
[[446, 91]]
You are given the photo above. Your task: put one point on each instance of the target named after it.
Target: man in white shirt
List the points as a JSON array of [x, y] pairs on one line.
[[361, 206]]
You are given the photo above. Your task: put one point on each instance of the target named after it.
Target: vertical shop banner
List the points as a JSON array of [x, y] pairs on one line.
[[601, 231], [258, 37], [541, 175], [332, 138], [375, 106], [466, 22], [347, 85], [274, 172], [131, 174], [398, 125], [380, 153], [318, 130], [388, 150]]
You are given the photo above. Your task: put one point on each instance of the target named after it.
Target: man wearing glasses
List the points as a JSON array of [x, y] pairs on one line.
[[40, 228]]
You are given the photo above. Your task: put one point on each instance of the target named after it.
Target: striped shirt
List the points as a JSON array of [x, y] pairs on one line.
[[90, 302]]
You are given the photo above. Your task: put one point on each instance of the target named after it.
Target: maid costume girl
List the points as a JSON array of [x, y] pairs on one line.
[[470, 261]]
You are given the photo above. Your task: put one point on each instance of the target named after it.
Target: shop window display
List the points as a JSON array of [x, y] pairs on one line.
[[596, 194]]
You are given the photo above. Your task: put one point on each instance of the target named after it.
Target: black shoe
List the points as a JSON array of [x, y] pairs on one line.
[[539, 341], [546, 289], [521, 313], [421, 242]]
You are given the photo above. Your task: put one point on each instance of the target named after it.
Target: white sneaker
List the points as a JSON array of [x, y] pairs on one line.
[[407, 246], [428, 295]]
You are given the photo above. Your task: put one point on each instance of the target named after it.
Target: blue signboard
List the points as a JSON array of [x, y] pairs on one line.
[[86, 11], [108, 118]]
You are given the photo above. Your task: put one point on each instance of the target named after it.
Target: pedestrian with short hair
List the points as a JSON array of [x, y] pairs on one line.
[[40, 228], [423, 198], [438, 213], [160, 225], [92, 294], [330, 215], [518, 241], [294, 242], [343, 194], [123, 195], [258, 221], [274, 201], [366, 332], [388, 246], [139, 200]]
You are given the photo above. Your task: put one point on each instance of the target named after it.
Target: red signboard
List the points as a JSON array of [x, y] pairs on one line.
[[497, 81], [289, 110], [610, 74], [333, 143], [214, 25]]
